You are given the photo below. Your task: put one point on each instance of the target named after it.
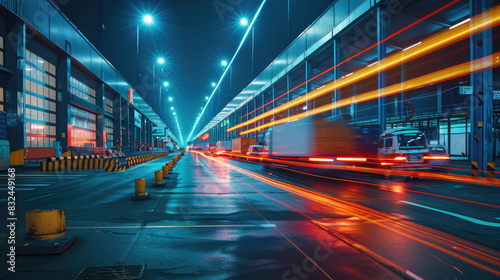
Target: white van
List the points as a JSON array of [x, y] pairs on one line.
[[403, 147]]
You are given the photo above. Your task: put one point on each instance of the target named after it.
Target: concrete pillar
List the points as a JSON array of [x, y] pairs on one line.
[[14, 58], [336, 74], [381, 52], [100, 118], [482, 99], [309, 104], [288, 96], [63, 71], [117, 123], [125, 123]]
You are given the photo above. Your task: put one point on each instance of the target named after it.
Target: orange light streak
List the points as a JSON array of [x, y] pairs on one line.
[[400, 158], [361, 52], [383, 220], [435, 77], [428, 45]]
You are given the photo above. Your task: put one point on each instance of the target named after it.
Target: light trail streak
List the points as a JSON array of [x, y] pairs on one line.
[[250, 26], [428, 45], [435, 77], [469, 248], [409, 173], [358, 54], [381, 186]]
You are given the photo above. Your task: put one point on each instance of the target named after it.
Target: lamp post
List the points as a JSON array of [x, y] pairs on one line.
[[148, 20], [244, 23]]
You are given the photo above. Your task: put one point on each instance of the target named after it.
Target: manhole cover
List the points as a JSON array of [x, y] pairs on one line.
[[124, 272]]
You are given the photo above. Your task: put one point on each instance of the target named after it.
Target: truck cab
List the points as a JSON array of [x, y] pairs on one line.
[[403, 147]]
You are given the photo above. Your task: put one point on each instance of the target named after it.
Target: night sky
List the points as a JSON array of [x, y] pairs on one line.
[[193, 36]]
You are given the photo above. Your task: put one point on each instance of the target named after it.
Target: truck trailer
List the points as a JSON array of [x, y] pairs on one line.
[[240, 145], [315, 139]]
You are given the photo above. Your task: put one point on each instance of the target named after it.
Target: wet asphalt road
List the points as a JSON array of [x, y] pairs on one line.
[[225, 219]]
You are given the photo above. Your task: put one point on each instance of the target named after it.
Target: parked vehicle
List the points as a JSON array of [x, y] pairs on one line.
[[438, 156], [255, 150], [224, 146], [403, 147]]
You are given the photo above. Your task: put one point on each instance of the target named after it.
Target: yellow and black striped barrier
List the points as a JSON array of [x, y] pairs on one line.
[[490, 174], [474, 168], [94, 162]]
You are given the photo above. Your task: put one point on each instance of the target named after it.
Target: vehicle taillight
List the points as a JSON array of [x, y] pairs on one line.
[[400, 158], [321, 159], [351, 159], [437, 157]]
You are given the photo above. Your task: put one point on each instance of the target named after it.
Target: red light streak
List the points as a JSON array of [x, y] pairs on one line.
[[428, 45], [386, 221], [400, 158], [321, 159], [351, 159]]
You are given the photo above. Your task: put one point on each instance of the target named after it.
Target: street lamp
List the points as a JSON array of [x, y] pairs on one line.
[[171, 108], [244, 22], [165, 84], [206, 97], [224, 63], [170, 99], [148, 20], [214, 84], [161, 60]]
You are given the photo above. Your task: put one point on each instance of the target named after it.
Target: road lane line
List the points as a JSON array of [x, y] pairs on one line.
[[467, 249], [470, 219], [35, 198], [18, 189], [413, 275], [156, 227]]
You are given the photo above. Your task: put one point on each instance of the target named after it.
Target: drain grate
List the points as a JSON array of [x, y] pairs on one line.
[[124, 272]]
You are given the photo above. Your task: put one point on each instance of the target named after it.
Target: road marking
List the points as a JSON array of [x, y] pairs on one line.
[[149, 227], [413, 275], [26, 185], [18, 189], [470, 219], [38, 197]]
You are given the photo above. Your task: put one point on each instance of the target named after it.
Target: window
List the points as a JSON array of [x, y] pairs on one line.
[[82, 128], [82, 90], [109, 106], [108, 128], [388, 143], [1, 99], [413, 141], [1, 51], [40, 101]]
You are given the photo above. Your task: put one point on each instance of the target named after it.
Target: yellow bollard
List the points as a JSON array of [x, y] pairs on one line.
[[44, 225], [45, 233], [159, 179], [140, 190], [165, 172]]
